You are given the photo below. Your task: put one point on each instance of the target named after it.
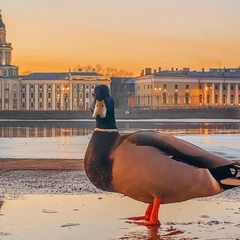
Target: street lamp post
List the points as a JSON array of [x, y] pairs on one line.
[[157, 90], [65, 91]]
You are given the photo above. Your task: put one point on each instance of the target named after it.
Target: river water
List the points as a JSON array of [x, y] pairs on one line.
[[69, 139]]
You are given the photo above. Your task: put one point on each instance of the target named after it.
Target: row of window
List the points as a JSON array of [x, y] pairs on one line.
[[187, 99], [58, 87], [49, 95], [201, 86]]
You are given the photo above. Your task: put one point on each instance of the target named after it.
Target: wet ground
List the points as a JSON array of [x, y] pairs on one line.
[[97, 216]]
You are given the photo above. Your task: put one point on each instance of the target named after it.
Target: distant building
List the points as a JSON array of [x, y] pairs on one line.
[[58, 91], [188, 89], [8, 73], [123, 92]]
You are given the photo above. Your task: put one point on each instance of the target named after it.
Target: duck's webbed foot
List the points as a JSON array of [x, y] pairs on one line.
[[151, 215]]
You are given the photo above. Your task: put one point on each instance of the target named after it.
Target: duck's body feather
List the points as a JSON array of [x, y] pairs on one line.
[[130, 164]]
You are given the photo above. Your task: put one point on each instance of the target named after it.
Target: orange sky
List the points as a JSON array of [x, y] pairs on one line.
[[129, 34]]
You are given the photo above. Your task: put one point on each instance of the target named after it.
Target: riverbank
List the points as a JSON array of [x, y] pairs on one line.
[[9, 164], [181, 113]]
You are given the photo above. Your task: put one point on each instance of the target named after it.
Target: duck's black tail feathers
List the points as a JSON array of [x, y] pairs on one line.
[[228, 176]]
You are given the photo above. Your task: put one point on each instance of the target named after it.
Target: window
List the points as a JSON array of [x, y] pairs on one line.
[[165, 86], [8, 58], [200, 99], [224, 99], [216, 87], [176, 86], [232, 100], [216, 99], [232, 87], [164, 98], [187, 98], [187, 86], [31, 95], [40, 95], [175, 98], [208, 99], [75, 96], [224, 87], [200, 86]]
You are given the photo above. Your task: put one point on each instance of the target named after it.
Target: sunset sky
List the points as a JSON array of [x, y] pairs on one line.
[[55, 35]]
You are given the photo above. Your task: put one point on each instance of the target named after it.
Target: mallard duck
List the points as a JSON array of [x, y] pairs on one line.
[[151, 167]]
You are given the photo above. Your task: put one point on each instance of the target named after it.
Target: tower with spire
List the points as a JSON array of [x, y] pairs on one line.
[[6, 69], [9, 79]]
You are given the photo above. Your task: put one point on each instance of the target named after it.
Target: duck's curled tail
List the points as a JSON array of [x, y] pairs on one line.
[[228, 176]]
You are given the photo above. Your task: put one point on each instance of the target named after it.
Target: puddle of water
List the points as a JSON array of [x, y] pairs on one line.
[[96, 216]]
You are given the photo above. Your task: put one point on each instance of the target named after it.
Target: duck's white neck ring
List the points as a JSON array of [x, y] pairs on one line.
[[105, 130]]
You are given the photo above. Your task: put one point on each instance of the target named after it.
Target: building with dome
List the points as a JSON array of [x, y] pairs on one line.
[[9, 81]]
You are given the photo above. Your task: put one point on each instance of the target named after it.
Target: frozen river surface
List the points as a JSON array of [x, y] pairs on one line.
[[73, 147]]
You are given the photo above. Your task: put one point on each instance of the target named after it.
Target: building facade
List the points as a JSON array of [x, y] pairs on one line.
[[123, 91], [188, 89], [58, 91]]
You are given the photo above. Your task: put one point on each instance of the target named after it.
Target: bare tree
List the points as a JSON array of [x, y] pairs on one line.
[[26, 72], [107, 72]]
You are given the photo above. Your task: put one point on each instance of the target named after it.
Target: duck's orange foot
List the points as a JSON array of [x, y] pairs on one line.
[[155, 223], [151, 215], [146, 223], [137, 218]]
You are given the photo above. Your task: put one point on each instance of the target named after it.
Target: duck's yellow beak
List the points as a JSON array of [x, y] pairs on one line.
[[100, 109]]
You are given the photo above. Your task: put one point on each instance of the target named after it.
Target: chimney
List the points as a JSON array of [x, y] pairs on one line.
[[159, 69], [203, 69], [148, 71], [142, 73]]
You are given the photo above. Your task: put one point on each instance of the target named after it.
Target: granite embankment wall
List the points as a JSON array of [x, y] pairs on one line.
[[215, 113]]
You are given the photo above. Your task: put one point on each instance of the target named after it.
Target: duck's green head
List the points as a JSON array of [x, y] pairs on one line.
[[102, 106]]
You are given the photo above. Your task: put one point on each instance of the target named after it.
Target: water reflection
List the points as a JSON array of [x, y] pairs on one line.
[[60, 129]]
